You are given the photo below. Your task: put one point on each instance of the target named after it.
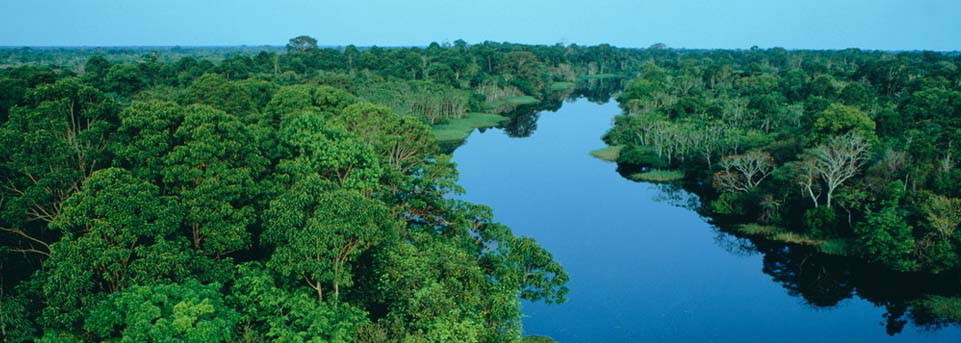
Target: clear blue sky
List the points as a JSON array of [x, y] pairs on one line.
[[823, 24]]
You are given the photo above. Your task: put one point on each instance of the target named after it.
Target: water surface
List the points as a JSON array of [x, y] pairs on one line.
[[643, 269]]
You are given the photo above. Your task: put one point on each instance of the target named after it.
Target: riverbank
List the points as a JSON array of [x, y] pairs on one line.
[[459, 129], [645, 263]]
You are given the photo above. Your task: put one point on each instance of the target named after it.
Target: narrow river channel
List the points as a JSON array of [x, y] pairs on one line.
[[643, 268]]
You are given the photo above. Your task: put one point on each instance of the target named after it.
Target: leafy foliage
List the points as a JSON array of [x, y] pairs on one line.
[[855, 153], [187, 312], [186, 196]]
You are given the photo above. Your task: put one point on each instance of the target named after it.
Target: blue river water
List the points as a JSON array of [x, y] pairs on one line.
[[643, 269]]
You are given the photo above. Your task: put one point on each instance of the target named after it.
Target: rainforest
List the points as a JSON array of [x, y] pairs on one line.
[[310, 193]]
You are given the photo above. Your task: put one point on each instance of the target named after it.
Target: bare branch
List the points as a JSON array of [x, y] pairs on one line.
[[23, 234], [839, 160], [743, 173]]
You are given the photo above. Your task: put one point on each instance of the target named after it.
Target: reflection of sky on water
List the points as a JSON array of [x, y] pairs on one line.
[[641, 269]]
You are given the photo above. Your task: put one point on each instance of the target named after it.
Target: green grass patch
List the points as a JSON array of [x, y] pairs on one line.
[[459, 129], [658, 175], [775, 233], [560, 86], [836, 246], [796, 238], [941, 307], [520, 100], [513, 101], [609, 154], [758, 230]]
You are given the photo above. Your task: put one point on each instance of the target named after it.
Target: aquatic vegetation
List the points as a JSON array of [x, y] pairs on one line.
[[513, 101], [560, 86], [609, 154], [658, 176], [459, 129]]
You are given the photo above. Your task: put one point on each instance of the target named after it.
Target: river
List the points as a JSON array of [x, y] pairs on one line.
[[645, 269]]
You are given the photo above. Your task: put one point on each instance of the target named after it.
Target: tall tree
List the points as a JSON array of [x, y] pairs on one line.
[[742, 173], [840, 159], [52, 145], [301, 43], [118, 231], [401, 141], [840, 119], [315, 147], [885, 234], [218, 92], [317, 233], [214, 172]]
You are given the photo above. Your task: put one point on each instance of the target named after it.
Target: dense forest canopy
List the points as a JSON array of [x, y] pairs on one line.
[[289, 197], [855, 152], [852, 153], [302, 195]]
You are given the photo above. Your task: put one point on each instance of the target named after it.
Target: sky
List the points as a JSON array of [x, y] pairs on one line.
[[792, 24]]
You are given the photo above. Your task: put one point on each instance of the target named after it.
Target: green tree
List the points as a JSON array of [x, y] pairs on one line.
[[274, 314], [205, 158], [436, 290], [125, 79], [857, 94], [885, 236], [317, 233], [214, 172], [51, 145], [259, 91], [524, 66], [932, 104], [293, 99], [15, 323], [188, 312], [401, 141], [301, 43], [220, 93], [840, 119], [118, 231], [524, 265], [823, 86], [11, 93], [315, 147], [145, 136], [95, 71]]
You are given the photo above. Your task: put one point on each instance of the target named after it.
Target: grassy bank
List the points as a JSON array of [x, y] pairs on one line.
[[560, 86], [459, 129], [609, 154], [513, 101], [774, 233], [658, 176]]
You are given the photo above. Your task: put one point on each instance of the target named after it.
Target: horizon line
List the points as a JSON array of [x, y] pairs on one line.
[[7, 47]]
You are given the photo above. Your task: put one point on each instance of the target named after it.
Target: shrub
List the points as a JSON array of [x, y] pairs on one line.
[[820, 221]]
